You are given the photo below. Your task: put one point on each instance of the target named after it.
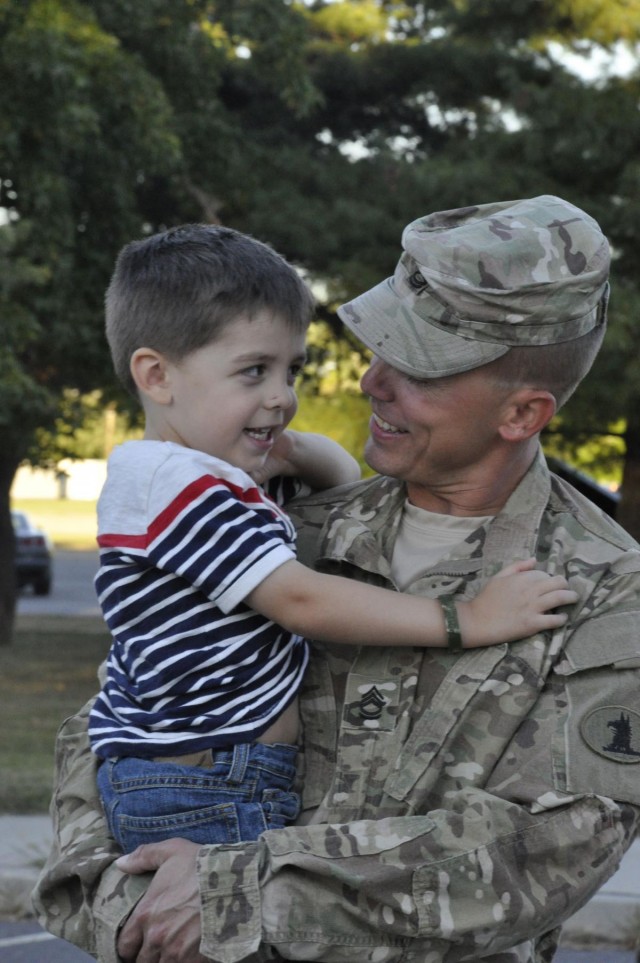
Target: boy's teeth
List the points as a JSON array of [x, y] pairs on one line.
[[259, 432]]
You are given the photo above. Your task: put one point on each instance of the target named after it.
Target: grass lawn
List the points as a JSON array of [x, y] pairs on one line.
[[48, 672], [45, 676], [69, 524]]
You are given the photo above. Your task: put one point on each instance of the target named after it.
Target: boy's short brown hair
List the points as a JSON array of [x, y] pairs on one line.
[[177, 290]]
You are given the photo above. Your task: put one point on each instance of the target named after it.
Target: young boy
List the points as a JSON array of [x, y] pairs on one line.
[[197, 721]]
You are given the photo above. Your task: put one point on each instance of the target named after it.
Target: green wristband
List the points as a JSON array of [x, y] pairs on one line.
[[454, 636]]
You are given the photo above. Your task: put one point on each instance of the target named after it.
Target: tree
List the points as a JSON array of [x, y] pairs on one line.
[[71, 101], [109, 111], [21, 398], [479, 107], [322, 128]]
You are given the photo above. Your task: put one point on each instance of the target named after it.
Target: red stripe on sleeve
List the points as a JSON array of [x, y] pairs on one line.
[[249, 496]]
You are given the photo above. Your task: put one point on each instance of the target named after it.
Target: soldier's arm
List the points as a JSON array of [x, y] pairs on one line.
[[383, 889], [487, 872], [490, 869]]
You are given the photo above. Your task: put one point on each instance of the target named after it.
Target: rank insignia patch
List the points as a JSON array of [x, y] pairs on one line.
[[613, 732], [369, 704]]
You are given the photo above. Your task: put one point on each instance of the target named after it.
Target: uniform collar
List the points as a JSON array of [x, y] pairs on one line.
[[513, 533], [361, 530]]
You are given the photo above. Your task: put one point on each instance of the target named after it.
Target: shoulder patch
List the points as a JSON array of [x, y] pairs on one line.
[[613, 732]]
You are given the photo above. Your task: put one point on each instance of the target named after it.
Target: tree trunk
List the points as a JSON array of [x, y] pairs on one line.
[[629, 509], [8, 467]]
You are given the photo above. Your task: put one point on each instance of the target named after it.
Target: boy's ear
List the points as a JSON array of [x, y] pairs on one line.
[[528, 411], [150, 371]]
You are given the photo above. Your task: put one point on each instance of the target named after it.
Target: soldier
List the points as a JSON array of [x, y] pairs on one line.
[[458, 806]]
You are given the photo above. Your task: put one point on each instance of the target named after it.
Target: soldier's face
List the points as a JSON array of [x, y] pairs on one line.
[[438, 435]]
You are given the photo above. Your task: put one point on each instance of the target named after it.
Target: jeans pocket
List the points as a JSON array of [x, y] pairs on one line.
[[149, 802], [207, 825]]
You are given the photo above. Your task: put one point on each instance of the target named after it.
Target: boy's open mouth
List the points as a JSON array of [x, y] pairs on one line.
[[261, 434]]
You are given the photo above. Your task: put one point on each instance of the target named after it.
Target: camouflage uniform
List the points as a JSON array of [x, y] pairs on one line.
[[459, 808]]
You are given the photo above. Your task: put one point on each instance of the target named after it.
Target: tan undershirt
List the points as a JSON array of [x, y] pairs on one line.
[[425, 538]]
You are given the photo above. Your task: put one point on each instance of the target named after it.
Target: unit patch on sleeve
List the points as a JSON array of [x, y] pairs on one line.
[[613, 732]]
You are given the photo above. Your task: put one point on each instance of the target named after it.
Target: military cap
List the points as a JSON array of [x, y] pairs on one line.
[[476, 281]]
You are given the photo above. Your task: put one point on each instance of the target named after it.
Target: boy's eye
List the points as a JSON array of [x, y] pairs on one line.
[[255, 371], [294, 372]]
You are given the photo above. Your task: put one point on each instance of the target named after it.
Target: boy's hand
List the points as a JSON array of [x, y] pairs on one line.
[[514, 604], [316, 460], [278, 461]]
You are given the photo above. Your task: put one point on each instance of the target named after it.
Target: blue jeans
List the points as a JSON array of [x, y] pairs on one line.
[[246, 790]]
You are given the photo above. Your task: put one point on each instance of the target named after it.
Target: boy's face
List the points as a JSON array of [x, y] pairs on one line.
[[235, 396]]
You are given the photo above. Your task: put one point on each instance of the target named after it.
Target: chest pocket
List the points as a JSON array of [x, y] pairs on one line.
[[373, 699], [459, 737]]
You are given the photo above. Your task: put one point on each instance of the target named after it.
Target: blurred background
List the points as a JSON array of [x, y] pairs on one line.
[[321, 128]]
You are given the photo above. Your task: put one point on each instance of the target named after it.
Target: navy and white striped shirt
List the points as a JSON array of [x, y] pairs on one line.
[[184, 538]]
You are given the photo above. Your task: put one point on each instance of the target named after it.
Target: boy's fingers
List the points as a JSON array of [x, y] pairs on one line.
[[526, 565]]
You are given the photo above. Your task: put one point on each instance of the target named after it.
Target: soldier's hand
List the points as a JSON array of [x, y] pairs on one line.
[[165, 925]]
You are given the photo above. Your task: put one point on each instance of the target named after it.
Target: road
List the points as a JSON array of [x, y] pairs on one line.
[[26, 943], [72, 591]]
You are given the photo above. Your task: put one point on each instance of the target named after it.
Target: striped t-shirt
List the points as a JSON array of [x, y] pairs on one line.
[[183, 539]]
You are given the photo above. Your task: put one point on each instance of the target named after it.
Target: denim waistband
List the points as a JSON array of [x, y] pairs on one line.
[[238, 757]]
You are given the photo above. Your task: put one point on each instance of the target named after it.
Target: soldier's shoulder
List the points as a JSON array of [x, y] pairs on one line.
[[589, 521], [310, 513], [333, 497]]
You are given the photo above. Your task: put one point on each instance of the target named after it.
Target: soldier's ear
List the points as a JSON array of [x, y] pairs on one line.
[[526, 413]]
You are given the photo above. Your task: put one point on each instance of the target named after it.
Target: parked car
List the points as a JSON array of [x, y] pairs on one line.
[[33, 554]]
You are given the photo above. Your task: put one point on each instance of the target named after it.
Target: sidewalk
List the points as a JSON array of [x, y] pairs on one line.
[[611, 918], [24, 844]]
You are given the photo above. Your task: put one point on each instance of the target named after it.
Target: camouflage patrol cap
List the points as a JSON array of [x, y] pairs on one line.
[[476, 281]]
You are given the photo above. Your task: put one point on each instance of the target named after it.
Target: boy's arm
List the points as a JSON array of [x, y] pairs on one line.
[[515, 604], [318, 461]]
